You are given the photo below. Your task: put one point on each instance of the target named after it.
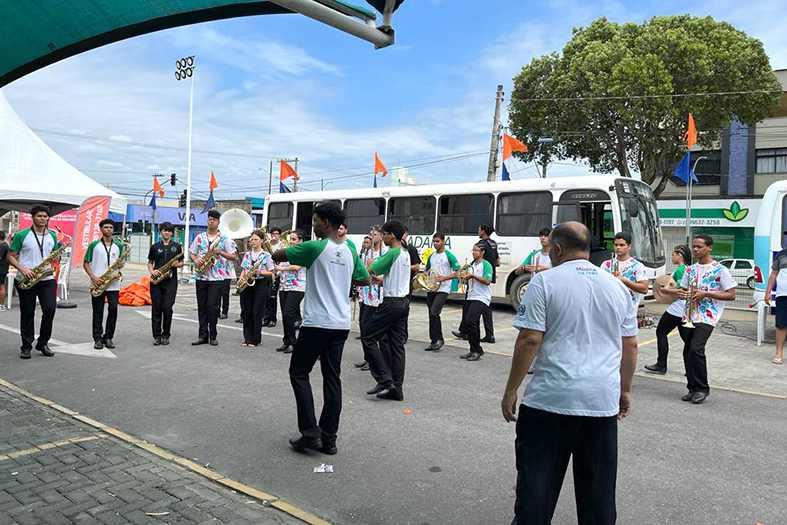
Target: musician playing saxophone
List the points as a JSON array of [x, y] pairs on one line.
[[29, 248], [99, 256], [162, 294], [255, 296], [446, 264]]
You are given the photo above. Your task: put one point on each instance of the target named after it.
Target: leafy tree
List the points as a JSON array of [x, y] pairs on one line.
[[666, 55]]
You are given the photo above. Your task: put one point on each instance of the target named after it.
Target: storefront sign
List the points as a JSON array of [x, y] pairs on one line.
[[736, 213]]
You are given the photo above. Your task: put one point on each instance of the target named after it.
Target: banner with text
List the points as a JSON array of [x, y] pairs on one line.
[[93, 211]]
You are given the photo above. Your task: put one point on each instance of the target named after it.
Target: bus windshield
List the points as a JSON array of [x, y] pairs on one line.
[[639, 217]]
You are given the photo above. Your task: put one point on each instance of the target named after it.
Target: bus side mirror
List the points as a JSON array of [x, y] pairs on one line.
[[633, 207]]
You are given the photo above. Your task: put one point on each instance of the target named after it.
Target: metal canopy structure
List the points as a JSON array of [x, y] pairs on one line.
[[37, 33]]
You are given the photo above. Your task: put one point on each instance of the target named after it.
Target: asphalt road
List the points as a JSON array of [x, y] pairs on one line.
[[449, 460]]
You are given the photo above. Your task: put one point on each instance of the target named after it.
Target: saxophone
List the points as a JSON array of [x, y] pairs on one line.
[[249, 279], [112, 274], [44, 268], [166, 269], [207, 261]]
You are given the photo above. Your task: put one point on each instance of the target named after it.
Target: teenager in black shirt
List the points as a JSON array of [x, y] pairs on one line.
[[162, 295]]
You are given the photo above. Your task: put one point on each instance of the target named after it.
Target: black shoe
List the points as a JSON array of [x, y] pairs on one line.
[[359, 364], [282, 348], [459, 335], [99, 344], [266, 324], [223, 316], [655, 369], [688, 397], [437, 345], [358, 338], [239, 320], [290, 349], [165, 341], [429, 348], [378, 388], [394, 394], [699, 397], [156, 341], [466, 356], [213, 342], [108, 343], [365, 368], [328, 447], [488, 339], [199, 342], [474, 356], [303, 443], [45, 350], [25, 353], [271, 324]]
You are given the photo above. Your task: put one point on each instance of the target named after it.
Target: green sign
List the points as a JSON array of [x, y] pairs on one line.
[[735, 213]]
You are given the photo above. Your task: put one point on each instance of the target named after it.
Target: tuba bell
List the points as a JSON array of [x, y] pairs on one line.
[[236, 224], [426, 281]]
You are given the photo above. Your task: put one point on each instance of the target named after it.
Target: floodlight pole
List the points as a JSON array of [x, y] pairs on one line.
[[186, 238]]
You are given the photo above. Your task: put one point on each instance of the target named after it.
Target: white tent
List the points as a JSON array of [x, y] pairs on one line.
[[31, 173]]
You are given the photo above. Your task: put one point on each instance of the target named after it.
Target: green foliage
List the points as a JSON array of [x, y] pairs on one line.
[[665, 55]]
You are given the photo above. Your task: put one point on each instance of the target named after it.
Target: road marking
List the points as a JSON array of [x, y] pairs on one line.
[[206, 472], [61, 347], [180, 317], [47, 446]]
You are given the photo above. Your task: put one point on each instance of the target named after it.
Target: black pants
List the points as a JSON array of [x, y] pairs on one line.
[[328, 345], [162, 295], [100, 332], [254, 300], [667, 324], [208, 297], [435, 302], [475, 309], [225, 296], [694, 340], [382, 337], [46, 291], [489, 329], [270, 311], [544, 443], [290, 314]]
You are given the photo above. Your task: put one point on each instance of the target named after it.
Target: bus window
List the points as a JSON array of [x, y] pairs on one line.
[[417, 213], [462, 214], [362, 214], [280, 214], [640, 219], [524, 213]]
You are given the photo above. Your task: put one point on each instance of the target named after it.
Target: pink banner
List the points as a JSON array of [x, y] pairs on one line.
[[65, 221], [93, 211]]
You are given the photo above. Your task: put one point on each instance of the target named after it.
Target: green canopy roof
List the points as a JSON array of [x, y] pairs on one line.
[[37, 33]]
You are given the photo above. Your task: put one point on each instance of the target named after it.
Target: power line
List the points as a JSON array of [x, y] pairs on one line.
[[638, 97]]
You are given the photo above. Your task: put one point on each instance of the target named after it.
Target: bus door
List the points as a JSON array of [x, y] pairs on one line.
[[304, 212], [593, 208]]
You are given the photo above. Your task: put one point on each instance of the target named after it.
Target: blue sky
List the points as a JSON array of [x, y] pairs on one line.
[[284, 86]]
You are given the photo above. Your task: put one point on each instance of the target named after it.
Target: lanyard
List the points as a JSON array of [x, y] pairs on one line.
[[41, 243], [107, 249]]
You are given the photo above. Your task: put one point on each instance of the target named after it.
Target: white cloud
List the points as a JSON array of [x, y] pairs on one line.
[[109, 164]]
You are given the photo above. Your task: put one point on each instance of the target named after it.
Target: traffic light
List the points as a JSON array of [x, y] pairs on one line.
[[182, 201], [172, 179]]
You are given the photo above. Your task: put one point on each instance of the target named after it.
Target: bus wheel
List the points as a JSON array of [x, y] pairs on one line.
[[517, 290]]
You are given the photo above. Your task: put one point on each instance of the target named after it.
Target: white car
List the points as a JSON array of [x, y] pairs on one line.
[[742, 270]]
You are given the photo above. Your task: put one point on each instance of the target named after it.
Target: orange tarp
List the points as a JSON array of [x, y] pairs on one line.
[[136, 294]]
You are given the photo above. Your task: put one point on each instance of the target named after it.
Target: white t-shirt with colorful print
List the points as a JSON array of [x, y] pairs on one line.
[[630, 269], [711, 277], [292, 280], [445, 263], [371, 295], [222, 268], [250, 259]]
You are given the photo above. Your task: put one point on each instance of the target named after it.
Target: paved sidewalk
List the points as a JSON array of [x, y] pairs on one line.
[[56, 470]]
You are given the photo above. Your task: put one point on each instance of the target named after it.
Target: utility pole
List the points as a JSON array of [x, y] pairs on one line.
[[295, 167], [490, 176], [270, 177]]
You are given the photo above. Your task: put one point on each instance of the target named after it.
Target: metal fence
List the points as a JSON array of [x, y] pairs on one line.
[[725, 247]]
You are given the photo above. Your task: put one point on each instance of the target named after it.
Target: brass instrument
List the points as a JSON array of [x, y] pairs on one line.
[[285, 238], [463, 277], [207, 261], [166, 269], [250, 279], [614, 266], [44, 269], [426, 281], [112, 274], [266, 241], [690, 306]]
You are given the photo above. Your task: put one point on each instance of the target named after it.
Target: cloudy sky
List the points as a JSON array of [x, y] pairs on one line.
[[286, 86]]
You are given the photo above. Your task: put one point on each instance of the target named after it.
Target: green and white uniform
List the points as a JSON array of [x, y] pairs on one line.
[[478, 291], [538, 258], [33, 248], [395, 266], [100, 257], [445, 263]]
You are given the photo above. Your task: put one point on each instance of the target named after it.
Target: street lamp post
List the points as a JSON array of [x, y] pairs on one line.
[[185, 69]]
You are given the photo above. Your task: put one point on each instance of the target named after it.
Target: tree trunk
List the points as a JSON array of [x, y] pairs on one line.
[[662, 184]]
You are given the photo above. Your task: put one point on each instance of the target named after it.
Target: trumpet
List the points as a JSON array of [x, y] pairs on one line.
[[690, 306], [426, 281], [463, 277], [206, 262], [614, 266]]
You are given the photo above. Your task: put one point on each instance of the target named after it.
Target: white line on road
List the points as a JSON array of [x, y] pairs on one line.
[[61, 347]]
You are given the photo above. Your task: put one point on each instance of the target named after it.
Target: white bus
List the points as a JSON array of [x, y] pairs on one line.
[[516, 209], [769, 236]]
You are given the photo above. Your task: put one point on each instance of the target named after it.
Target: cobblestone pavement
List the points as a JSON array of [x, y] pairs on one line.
[[56, 470]]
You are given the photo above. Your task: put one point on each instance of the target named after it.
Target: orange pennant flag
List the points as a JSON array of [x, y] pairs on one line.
[[511, 144], [286, 171], [691, 134], [156, 187], [379, 166], [213, 183]]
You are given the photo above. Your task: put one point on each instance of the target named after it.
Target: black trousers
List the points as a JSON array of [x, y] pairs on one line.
[[100, 332], [208, 297], [225, 296], [544, 443], [434, 303], [254, 300], [382, 337], [290, 314], [489, 329], [270, 311], [694, 340], [162, 295], [667, 324], [46, 292], [475, 309], [327, 345]]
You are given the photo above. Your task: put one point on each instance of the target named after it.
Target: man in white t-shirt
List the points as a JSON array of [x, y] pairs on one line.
[[630, 271], [331, 268], [778, 278], [445, 264], [582, 325], [713, 286], [100, 255]]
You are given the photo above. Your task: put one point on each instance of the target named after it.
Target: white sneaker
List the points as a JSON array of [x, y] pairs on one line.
[[3, 308]]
